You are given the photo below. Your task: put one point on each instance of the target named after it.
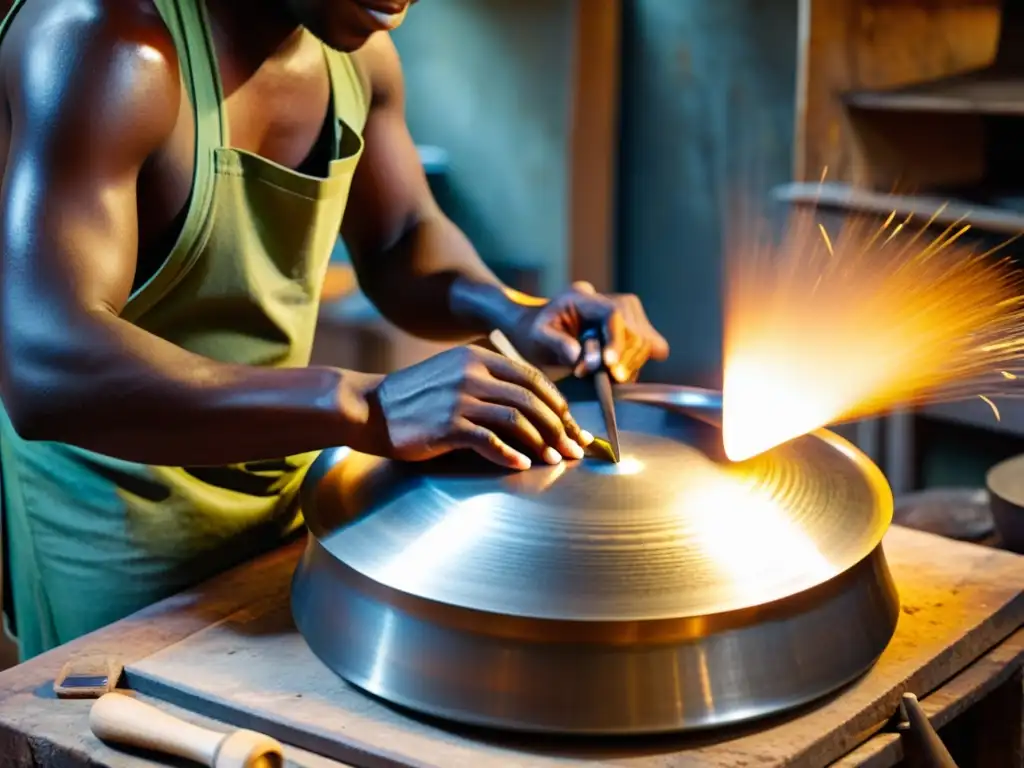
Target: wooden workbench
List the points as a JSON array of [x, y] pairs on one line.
[[38, 729]]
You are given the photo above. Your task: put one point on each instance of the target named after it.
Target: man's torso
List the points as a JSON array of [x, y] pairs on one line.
[[244, 267], [276, 109]]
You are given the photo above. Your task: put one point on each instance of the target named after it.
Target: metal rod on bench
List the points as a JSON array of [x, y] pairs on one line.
[[918, 731]]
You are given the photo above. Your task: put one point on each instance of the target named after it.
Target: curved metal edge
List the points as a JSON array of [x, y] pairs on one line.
[[698, 402], [665, 396], [484, 679], [872, 473], [885, 504], [317, 471], [676, 396]]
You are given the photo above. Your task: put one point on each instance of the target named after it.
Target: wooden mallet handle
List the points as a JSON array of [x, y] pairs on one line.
[[120, 719]]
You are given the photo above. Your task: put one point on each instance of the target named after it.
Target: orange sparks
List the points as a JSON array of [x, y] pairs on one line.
[[995, 409], [820, 329]]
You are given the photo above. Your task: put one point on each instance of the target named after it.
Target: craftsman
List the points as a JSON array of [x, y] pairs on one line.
[[176, 176]]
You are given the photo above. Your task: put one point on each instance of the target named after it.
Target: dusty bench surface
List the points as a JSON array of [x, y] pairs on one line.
[[38, 729], [960, 585]]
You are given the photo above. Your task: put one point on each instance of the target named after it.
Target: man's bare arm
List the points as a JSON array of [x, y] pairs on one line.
[[416, 266], [91, 97]]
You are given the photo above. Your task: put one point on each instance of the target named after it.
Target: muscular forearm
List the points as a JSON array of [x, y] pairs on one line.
[[113, 388], [433, 284]]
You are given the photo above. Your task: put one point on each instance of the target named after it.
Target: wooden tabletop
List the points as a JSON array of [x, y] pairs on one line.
[[36, 728]]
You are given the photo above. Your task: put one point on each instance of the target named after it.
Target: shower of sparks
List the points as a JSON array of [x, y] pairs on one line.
[[993, 406], [820, 330]]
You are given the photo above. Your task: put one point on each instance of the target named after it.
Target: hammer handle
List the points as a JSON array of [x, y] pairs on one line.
[[123, 720]]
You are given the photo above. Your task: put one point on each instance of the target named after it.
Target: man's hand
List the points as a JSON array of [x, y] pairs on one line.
[[548, 334], [470, 398]]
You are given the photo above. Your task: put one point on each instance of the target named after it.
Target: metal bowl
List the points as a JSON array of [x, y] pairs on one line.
[[672, 591], [1005, 482]]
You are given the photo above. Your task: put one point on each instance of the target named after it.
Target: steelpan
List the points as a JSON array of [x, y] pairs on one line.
[[672, 591]]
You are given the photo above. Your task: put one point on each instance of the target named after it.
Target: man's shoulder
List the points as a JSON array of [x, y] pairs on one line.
[[79, 38], [111, 56]]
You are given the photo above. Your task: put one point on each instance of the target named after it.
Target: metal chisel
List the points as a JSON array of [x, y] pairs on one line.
[[591, 343]]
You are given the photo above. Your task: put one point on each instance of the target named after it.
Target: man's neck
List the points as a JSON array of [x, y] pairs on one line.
[[255, 31]]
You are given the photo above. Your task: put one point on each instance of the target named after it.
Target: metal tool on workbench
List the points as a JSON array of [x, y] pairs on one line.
[[920, 739], [87, 677], [592, 355], [119, 719]]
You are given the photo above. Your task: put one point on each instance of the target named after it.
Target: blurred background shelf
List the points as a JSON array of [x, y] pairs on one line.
[[989, 91], [918, 107], [844, 197]]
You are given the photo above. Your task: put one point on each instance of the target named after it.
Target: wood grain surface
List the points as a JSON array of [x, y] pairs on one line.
[[254, 670], [959, 601]]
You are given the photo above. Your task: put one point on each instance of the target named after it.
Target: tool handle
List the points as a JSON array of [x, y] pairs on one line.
[[591, 349], [591, 335], [501, 343], [930, 749], [120, 719]]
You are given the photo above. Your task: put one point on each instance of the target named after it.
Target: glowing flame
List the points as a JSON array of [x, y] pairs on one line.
[[820, 330], [766, 405]]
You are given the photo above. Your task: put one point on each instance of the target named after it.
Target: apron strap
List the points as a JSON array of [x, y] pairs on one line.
[[186, 21]]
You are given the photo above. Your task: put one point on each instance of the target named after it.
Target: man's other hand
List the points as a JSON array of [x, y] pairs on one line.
[[549, 334]]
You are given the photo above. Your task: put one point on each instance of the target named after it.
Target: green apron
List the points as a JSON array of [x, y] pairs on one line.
[[92, 539]]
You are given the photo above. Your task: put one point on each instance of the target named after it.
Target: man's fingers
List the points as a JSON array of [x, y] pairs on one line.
[[630, 339], [551, 429], [641, 325], [533, 380], [600, 310], [482, 440], [615, 337], [636, 356], [563, 348], [582, 286], [528, 377], [512, 426], [659, 346]]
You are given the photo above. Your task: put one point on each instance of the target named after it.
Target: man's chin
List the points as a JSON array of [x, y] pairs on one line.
[[347, 43], [347, 25], [346, 38]]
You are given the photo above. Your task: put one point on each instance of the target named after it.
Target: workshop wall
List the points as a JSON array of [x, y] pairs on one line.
[[490, 83], [708, 97], [708, 101]]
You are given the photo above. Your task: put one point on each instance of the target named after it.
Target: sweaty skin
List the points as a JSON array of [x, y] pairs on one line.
[[97, 140]]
